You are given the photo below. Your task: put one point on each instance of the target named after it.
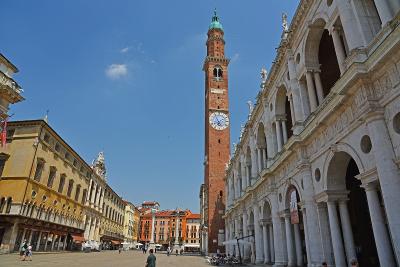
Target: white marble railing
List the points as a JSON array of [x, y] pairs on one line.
[[9, 82]]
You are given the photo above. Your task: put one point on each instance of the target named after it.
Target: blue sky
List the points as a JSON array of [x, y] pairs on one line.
[[126, 77]]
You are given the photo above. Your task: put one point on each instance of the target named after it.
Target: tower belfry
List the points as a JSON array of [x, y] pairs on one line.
[[217, 137]]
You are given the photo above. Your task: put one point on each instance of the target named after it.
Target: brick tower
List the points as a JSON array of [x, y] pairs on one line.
[[217, 136]]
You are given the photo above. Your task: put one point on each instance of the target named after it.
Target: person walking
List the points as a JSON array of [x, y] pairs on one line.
[[151, 260], [168, 251], [144, 249], [22, 250], [28, 253]]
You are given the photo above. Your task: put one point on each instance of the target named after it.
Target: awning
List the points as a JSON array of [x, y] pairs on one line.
[[115, 242], [78, 238], [192, 245]]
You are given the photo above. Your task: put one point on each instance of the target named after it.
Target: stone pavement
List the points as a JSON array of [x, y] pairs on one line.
[[101, 259]]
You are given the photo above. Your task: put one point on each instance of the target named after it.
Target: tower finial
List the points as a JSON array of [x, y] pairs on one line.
[[46, 117]]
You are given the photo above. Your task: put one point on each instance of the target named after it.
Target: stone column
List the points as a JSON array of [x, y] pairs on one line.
[[297, 114], [38, 242], [53, 240], [350, 26], [389, 177], [65, 242], [324, 233], [92, 226], [257, 235], [243, 174], [253, 165], [267, 258], [284, 130], [305, 104], [87, 200], [279, 255], [318, 84], [347, 231], [297, 241], [289, 241], [271, 242], [97, 199], [87, 227], [101, 201], [94, 187], [384, 11], [311, 91], [260, 160], [245, 233], [336, 236], [306, 237], [339, 49], [278, 135], [264, 157], [45, 243], [382, 240], [292, 109]]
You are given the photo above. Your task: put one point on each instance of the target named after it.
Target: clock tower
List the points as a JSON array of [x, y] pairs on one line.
[[217, 137]]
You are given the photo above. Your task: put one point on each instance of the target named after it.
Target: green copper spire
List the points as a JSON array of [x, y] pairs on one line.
[[215, 24]]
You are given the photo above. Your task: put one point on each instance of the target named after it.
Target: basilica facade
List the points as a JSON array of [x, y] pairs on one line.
[[315, 175]]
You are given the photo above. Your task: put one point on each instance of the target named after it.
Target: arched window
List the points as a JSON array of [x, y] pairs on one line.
[[217, 72], [2, 204]]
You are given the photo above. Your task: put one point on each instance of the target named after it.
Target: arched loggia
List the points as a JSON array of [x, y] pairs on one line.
[[294, 229], [355, 220], [262, 149]]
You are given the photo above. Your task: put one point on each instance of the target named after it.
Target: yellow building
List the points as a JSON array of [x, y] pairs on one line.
[[136, 221], [10, 91], [130, 224], [43, 189], [112, 222]]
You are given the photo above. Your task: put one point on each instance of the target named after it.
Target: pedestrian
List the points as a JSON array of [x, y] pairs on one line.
[[324, 264], [119, 249], [354, 263], [144, 249], [28, 253], [151, 259], [22, 250], [176, 251]]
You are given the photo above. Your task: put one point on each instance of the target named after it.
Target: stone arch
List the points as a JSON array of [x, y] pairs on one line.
[[266, 209], [337, 148], [284, 110], [342, 176], [248, 162], [314, 35], [288, 189]]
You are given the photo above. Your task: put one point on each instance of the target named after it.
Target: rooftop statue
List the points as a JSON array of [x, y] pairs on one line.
[[251, 107], [285, 25], [264, 76], [99, 165]]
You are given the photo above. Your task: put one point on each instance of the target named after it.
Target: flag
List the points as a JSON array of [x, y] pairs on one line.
[[4, 133]]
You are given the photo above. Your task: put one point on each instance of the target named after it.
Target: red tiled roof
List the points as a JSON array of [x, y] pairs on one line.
[[193, 216]]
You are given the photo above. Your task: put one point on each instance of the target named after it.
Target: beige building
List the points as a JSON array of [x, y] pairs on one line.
[[43, 189], [315, 175], [10, 91], [131, 224], [112, 222]]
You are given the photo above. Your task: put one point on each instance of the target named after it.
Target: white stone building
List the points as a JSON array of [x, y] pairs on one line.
[[315, 176]]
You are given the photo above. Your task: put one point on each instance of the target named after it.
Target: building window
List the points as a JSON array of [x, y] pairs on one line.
[[3, 158], [84, 195], [217, 72], [52, 175], [70, 186], [62, 182], [77, 192], [39, 169]]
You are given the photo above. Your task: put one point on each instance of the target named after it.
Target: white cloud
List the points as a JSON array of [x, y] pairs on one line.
[[235, 57], [116, 71], [125, 49]]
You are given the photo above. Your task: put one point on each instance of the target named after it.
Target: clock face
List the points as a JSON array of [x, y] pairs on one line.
[[219, 120]]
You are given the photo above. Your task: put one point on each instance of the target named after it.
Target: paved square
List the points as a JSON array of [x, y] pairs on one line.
[[101, 259]]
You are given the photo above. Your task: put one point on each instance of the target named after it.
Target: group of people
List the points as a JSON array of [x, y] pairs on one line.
[[25, 251], [353, 263], [170, 251]]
